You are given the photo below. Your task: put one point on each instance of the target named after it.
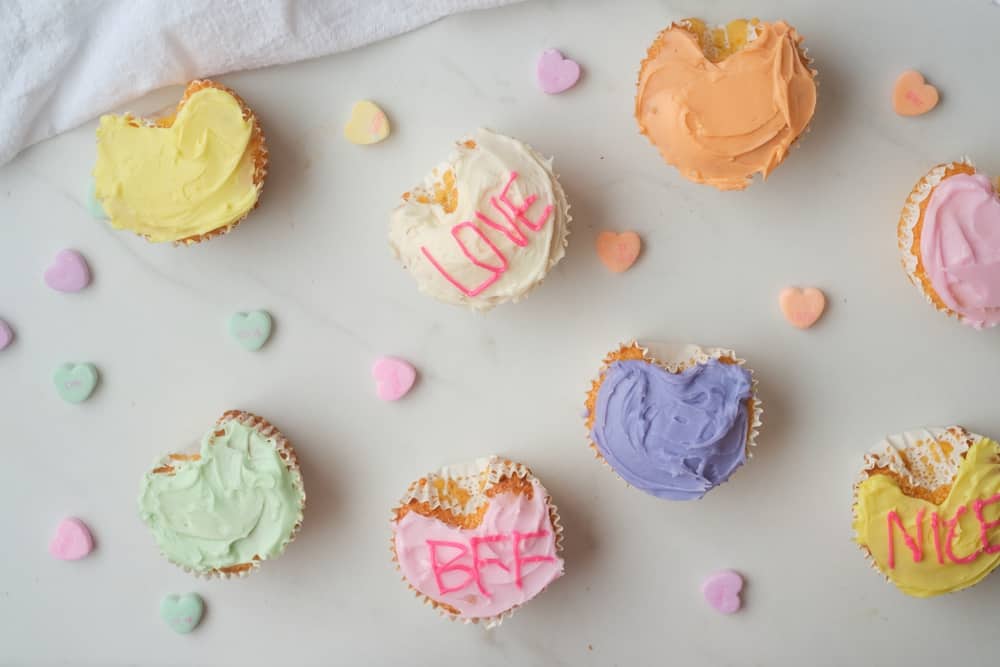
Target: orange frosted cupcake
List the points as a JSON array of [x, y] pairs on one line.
[[726, 103], [949, 237], [184, 178]]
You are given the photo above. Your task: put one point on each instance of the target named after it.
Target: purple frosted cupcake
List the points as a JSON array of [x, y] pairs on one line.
[[674, 421]]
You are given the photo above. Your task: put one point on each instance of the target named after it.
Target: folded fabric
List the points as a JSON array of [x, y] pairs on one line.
[[63, 62]]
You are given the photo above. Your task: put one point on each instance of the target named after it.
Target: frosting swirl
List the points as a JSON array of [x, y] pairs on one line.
[[721, 122], [235, 503], [673, 435], [960, 247], [176, 182], [484, 228]]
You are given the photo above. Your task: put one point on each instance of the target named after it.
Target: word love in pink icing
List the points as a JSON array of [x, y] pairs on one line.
[[722, 591], [73, 540], [556, 73], [69, 272], [469, 561], [916, 544], [393, 378], [514, 215]]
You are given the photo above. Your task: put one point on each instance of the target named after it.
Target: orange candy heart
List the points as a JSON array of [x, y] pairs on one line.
[[912, 95], [618, 251], [802, 307]]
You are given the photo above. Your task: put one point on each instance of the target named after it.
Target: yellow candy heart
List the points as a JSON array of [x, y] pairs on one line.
[[368, 124], [185, 176]]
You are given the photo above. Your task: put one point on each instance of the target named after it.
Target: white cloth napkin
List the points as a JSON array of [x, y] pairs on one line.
[[63, 62]]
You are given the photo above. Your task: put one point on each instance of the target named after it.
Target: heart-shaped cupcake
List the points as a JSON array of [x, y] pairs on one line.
[[476, 541], [487, 227], [949, 236], [673, 421], [927, 509], [724, 104], [184, 178], [237, 501]]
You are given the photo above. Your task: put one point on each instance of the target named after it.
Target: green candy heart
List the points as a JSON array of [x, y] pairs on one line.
[[182, 612], [75, 382], [251, 329]]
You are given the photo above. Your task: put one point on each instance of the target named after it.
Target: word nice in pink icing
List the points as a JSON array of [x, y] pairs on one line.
[[514, 215], [916, 543], [470, 562]]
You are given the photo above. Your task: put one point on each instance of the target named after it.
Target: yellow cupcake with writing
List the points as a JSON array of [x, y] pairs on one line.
[[184, 178], [927, 509]]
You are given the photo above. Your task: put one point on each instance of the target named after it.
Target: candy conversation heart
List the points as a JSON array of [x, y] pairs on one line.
[[182, 613], [68, 272], [618, 251], [251, 329], [722, 591], [368, 124], [912, 95], [6, 335], [802, 307], [394, 378], [75, 382], [72, 540], [555, 72]]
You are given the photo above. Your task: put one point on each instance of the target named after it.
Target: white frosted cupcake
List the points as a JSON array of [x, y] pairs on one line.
[[486, 226]]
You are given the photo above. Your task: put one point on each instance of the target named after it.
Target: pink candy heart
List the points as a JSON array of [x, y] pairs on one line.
[[393, 378], [555, 73], [6, 334], [722, 591], [68, 273], [73, 540]]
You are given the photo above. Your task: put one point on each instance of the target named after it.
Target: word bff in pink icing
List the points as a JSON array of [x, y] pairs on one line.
[[514, 215], [556, 73], [722, 591], [943, 547], [69, 272], [72, 541], [469, 561], [393, 378]]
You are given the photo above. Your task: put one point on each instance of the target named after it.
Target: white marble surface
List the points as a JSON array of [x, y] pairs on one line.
[[511, 381]]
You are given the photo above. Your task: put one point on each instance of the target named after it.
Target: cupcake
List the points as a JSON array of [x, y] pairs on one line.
[[949, 237], [674, 421], [726, 103], [185, 178], [237, 501], [476, 541], [927, 509], [485, 227]]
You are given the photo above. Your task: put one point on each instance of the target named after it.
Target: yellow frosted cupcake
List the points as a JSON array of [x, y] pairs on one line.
[[927, 509], [184, 178], [726, 103]]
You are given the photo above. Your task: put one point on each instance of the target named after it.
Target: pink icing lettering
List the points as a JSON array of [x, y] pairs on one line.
[[440, 569], [916, 547], [520, 560], [936, 527], [952, 525], [514, 215], [497, 271], [913, 97], [478, 563], [985, 526]]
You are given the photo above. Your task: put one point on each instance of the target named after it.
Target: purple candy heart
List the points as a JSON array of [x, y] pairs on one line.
[[68, 273], [555, 73], [6, 334]]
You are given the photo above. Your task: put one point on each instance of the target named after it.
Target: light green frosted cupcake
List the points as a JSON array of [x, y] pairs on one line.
[[239, 501]]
